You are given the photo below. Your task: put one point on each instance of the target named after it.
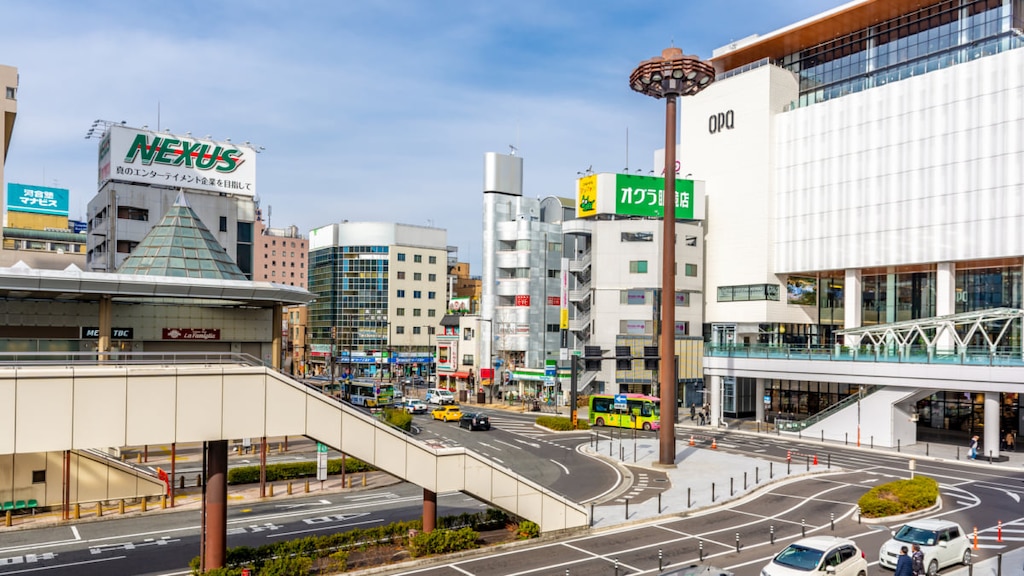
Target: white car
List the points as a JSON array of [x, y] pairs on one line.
[[943, 543], [415, 406], [818, 554], [440, 396]]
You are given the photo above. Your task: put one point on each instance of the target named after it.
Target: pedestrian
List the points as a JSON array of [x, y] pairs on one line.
[[904, 566], [703, 417], [917, 560], [693, 411], [973, 452], [1009, 441]]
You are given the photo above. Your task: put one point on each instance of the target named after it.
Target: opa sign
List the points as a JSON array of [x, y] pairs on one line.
[[720, 121]]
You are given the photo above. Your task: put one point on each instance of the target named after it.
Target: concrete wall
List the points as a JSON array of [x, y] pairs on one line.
[[92, 479]]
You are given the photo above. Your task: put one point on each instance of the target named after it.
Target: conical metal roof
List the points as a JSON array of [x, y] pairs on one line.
[[181, 245]]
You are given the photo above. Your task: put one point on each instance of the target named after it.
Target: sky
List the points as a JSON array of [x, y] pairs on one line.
[[368, 110]]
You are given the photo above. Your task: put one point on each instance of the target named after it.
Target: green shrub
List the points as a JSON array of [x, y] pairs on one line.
[[338, 561], [443, 541], [561, 423], [284, 566], [293, 470], [398, 418], [528, 530], [899, 497]]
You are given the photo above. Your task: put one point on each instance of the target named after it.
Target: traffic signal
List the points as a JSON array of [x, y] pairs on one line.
[[623, 358], [651, 358], [592, 358]]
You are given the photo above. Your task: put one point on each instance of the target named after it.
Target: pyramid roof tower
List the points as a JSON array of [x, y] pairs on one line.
[[181, 245]]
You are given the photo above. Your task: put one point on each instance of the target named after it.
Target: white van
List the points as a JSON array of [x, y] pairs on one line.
[[440, 396]]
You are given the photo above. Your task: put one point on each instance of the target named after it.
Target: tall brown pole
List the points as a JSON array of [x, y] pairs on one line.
[[429, 510], [216, 517], [667, 439], [174, 461]]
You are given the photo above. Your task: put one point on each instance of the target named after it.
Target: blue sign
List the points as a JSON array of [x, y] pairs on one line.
[[551, 371], [37, 199], [620, 401], [77, 226]]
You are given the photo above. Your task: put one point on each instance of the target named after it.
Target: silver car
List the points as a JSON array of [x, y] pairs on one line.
[[943, 543]]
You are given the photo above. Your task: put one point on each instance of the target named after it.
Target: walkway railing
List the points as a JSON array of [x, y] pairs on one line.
[[980, 356], [120, 358], [797, 425]]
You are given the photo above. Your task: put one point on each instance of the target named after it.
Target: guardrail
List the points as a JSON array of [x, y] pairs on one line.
[[969, 357], [117, 358]]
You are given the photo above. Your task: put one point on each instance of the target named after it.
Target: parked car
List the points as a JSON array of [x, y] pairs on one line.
[[414, 381], [475, 421], [818, 554], [447, 413], [943, 543], [440, 396], [415, 406]]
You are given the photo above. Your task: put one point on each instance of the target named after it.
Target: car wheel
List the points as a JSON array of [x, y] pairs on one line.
[[599, 422], [861, 573], [647, 426], [967, 557], [933, 568]]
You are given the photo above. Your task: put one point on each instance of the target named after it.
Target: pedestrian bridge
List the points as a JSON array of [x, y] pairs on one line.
[[50, 408]]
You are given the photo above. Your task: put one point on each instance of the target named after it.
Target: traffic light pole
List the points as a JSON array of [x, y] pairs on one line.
[[574, 378]]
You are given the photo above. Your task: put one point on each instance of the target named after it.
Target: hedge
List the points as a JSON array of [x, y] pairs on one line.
[[561, 423], [899, 497], [292, 470], [398, 418]]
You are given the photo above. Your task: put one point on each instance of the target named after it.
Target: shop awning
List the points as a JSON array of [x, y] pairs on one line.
[[458, 375]]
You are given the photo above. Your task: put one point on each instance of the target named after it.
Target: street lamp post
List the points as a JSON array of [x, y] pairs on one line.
[[669, 76]]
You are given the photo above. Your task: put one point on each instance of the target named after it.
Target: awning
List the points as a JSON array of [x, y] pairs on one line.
[[459, 375]]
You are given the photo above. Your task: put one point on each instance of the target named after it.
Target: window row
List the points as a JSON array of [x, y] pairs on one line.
[[431, 295], [418, 258], [431, 313]]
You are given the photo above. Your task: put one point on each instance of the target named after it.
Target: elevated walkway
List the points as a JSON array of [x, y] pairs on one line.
[[54, 408]]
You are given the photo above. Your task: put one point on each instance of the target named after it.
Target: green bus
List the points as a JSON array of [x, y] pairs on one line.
[[642, 412]]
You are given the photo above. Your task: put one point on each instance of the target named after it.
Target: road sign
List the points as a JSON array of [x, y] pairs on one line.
[[321, 461], [321, 448], [620, 401]]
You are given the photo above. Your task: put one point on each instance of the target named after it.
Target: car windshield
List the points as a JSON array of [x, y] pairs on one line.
[[912, 535], [799, 557]]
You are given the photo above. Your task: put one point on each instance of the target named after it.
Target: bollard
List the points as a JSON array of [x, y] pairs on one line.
[[829, 460], [307, 487], [163, 501], [732, 490], [771, 470], [627, 508], [822, 434], [8, 519], [199, 480], [120, 507], [700, 548], [771, 534], [138, 459], [989, 456], [975, 537], [846, 438], [591, 514], [999, 531], [616, 567], [737, 542], [744, 480], [788, 467], [99, 509], [927, 448], [712, 492], [807, 460], [803, 528], [289, 488], [182, 482], [897, 444], [349, 482], [832, 520], [142, 504], [872, 442], [659, 502], [957, 452], [77, 513], [858, 515], [270, 490], [688, 502], [661, 560], [609, 454], [999, 564], [757, 475]]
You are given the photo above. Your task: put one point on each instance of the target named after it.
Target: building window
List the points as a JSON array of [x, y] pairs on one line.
[[131, 213], [467, 359], [224, 225], [691, 270], [417, 258], [417, 276], [433, 260], [417, 294], [638, 266], [401, 294], [432, 277], [431, 295], [400, 312], [39, 476], [431, 313], [637, 237], [401, 275], [415, 330], [417, 312], [12, 93], [399, 329], [401, 256]]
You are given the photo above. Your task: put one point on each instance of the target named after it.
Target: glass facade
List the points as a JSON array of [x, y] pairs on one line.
[[937, 36], [796, 400], [991, 287], [887, 298]]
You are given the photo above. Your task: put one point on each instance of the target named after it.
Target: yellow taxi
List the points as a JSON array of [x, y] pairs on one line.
[[447, 413]]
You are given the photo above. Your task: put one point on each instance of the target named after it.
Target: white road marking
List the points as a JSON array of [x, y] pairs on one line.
[[65, 565], [507, 444], [74, 530], [562, 466]]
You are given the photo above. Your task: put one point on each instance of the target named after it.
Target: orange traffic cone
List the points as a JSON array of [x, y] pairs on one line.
[[714, 444], [692, 443], [815, 460], [975, 537]]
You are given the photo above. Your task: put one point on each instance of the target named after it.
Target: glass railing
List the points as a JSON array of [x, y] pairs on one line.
[[797, 425], [972, 356]]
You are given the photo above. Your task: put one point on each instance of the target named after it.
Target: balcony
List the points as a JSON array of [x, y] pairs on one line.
[[580, 264], [580, 322]]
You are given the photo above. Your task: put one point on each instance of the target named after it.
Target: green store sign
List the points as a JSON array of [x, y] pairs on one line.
[[637, 195]]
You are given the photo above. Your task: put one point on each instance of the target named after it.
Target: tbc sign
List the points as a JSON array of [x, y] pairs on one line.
[[720, 121], [89, 332]]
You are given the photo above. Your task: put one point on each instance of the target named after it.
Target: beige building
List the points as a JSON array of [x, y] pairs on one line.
[[8, 110], [280, 255]]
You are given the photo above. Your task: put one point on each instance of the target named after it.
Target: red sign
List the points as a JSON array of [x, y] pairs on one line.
[[487, 372], [191, 333], [554, 301], [163, 477], [522, 299]]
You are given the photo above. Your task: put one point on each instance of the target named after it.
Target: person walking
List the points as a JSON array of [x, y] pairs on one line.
[[693, 411], [1010, 441], [917, 560], [973, 453], [904, 566]]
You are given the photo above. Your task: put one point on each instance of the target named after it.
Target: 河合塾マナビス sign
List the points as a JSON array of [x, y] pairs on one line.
[[37, 199]]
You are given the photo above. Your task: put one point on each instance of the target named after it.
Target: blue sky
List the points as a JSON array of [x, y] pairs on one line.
[[368, 110]]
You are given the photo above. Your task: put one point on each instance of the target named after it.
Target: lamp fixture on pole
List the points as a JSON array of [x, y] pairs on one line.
[[669, 76]]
